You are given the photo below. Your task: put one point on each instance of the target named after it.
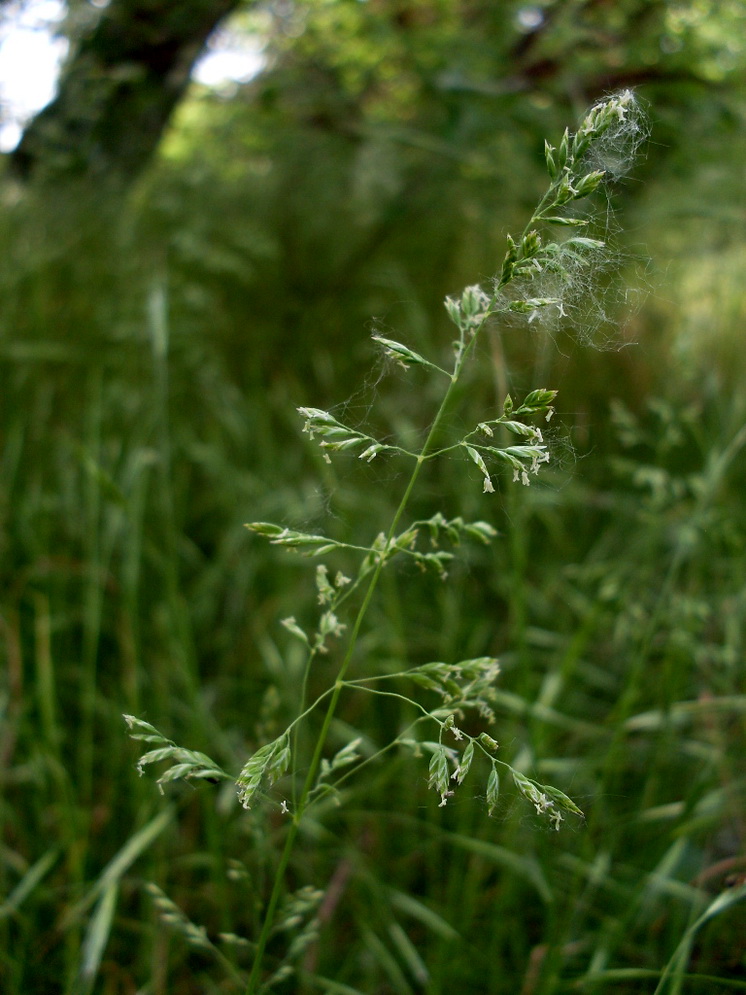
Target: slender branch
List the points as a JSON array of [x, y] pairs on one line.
[[339, 683], [569, 182]]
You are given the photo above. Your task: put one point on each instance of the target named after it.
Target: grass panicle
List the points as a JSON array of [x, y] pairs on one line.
[[294, 765]]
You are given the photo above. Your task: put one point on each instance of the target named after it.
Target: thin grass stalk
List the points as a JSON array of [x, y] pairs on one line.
[[93, 598], [339, 682], [530, 256]]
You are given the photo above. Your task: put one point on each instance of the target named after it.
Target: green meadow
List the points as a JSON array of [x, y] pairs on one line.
[[156, 341]]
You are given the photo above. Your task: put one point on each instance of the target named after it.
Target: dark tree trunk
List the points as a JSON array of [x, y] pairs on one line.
[[118, 90]]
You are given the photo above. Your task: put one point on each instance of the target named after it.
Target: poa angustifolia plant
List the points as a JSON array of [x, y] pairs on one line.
[[295, 769]]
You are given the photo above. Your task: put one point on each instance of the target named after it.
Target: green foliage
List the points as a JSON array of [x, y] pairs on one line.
[[152, 355]]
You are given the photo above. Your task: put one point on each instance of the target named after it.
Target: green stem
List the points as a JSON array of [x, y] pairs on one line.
[[559, 193], [339, 684], [269, 915]]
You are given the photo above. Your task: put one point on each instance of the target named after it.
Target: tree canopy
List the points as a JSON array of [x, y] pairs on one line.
[[378, 60], [184, 267]]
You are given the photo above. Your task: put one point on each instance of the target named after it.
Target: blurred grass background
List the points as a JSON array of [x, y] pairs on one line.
[[154, 344]]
